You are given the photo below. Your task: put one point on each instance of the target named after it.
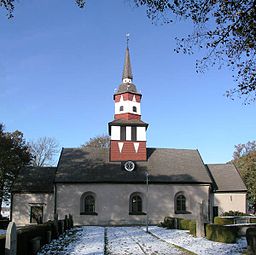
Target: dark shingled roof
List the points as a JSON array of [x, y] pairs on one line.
[[91, 165], [35, 179], [226, 177], [131, 122], [127, 87], [127, 72]]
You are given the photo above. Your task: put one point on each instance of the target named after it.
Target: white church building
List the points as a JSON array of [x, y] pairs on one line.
[[128, 182]]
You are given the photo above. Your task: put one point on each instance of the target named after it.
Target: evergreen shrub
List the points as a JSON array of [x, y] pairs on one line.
[[234, 213], [169, 222], [220, 233], [223, 221]]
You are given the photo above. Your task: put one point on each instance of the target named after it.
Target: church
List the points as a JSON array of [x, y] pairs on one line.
[[127, 183]]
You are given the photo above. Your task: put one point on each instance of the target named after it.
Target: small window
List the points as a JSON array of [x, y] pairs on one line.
[[121, 108], [89, 204], [134, 109], [136, 203], [180, 202], [123, 133], [36, 214], [134, 134]]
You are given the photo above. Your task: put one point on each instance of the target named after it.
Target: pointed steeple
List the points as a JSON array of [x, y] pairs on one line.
[[127, 72], [127, 84]]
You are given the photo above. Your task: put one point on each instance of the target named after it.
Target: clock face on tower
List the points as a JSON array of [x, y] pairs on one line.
[[129, 166]]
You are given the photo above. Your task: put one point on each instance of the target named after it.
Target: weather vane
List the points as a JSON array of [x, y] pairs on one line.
[[127, 39]]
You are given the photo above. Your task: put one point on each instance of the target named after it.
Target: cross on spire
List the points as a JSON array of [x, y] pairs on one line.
[[127, 39]]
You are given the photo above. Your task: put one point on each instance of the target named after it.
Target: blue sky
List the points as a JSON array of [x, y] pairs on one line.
[[59, 66]]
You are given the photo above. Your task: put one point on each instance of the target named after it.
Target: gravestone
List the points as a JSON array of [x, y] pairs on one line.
[[48, 236], [200, 221], [55, 227], [62, 223], [71, 221], [66, 223], [11, 240]]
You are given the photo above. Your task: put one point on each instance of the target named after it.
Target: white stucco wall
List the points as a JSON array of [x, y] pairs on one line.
[[112, 202], [21, 205], [128, 105], [115, 132], [230, 201], [128, 133], [141, 134]]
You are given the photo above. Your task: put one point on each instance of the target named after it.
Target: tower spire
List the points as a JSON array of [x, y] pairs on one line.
[[127, 71]]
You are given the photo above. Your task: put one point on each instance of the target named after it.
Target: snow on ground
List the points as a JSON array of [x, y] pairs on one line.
[[201, 246], [79, 241], [89, 240], [134, 240]]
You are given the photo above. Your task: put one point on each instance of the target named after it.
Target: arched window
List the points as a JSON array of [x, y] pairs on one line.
[[134, 109], [180, 203], [121, 108], [87, 204], [136, 204]]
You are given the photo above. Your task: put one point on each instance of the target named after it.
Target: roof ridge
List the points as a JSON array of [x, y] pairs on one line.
[[164, 148]]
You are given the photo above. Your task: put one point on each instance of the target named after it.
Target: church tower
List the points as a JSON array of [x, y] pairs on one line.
[[127, 131]]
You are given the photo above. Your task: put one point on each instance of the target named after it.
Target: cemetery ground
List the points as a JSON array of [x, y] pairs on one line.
[[89, 240]]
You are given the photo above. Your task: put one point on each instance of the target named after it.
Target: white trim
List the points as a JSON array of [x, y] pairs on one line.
[[120, 146], [136, 147], [128, 133]]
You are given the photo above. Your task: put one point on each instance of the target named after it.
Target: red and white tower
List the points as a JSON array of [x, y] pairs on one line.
[[127, 131]]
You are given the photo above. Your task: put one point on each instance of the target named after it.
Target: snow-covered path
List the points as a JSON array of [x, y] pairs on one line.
[[200, 246], [132, 240]]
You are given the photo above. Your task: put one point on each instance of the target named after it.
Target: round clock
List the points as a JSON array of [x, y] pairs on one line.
[[129, 166]]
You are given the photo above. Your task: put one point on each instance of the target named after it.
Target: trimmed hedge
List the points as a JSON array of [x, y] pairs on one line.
[[192, 227], [251, 240], [223, 221], [184, 224], [2, 244], [25, 234], [220, 233], [252, 220]]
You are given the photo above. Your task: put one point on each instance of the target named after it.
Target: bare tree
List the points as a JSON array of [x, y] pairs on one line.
[[100, 141], [243, 149], [44, 150]]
